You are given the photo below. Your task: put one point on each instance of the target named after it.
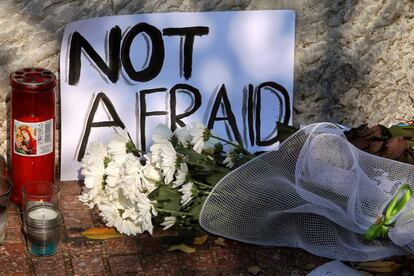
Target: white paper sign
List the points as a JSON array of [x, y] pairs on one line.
[[232, 71]]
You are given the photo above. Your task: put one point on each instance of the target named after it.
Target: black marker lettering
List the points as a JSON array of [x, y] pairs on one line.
[[279, 89], [250, 108], [78, 42], [223, 98], [144, 113], [90, 123], [157, 53], [188, 34], [196, 97]]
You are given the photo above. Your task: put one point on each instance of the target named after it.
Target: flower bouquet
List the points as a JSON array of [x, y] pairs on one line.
[[166, 187]]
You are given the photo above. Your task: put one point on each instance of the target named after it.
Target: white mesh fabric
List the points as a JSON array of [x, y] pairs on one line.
[[317, 192]]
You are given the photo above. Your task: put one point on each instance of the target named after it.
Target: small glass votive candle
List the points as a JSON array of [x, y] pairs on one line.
[[42, 226]]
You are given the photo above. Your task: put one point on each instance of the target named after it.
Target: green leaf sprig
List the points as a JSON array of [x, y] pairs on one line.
[[380, 228]]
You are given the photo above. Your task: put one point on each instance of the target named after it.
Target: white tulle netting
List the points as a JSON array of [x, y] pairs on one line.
[[317, 192]]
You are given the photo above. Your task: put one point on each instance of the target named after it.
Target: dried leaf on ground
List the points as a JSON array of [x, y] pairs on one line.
[[200, 240], [254, 269], [182, 247], [375, 146], [219, 241], [379, 266], [374, 132], [395, 147], [361, 142], [310, 266], [96, 233]]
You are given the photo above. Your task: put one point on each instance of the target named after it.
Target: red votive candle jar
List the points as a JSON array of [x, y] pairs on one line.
[[32, 128]]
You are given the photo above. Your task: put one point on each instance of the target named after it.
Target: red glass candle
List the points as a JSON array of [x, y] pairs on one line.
[[32, 128]]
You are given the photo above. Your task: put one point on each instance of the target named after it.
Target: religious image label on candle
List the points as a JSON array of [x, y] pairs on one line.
[[33, 139]]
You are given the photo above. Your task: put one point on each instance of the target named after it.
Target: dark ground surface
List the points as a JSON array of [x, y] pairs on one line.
[[145, 254]]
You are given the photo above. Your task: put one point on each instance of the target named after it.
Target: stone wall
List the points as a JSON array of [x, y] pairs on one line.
[[353, 59]]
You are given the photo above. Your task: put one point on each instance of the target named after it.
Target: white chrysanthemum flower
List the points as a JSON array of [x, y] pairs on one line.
[[200, 134], [164, 157], [93, 171], [162, 134], [210, 145], [152, 175], [92, 197], [117, 147], [96, 152], [232, 156], [112, 193], [168, 222], [93, 174], [112, 172], [112, 215], [180, 175], [132, 177], [146, 211], [228, 161], [112, 180], [187, 193], [183, 135], [93, 166]]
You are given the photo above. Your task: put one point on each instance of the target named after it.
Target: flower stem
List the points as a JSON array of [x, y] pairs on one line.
[[231, 143], [202, 184], [174, 212]]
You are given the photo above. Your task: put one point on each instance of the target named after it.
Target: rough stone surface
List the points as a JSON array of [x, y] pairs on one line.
[[354, 60]]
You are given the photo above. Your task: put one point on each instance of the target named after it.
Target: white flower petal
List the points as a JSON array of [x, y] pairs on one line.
[[161, 134], [180, 175], [168, 222], [187, 193]]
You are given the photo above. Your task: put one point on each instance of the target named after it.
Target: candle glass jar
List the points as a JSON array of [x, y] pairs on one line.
[[32, 127], [40, 193], [42, 226]]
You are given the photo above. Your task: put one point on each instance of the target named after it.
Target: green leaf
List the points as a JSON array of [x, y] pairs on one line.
[[154, 193], [404, 131], [195, 210], [284, 131], [373, 232], [221, 169], [215, 178], [166, 193], [166, 197], [195, 158], [172, 204]]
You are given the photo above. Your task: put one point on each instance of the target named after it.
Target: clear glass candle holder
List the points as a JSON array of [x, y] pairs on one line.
[[40, 193], [42, 226]]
